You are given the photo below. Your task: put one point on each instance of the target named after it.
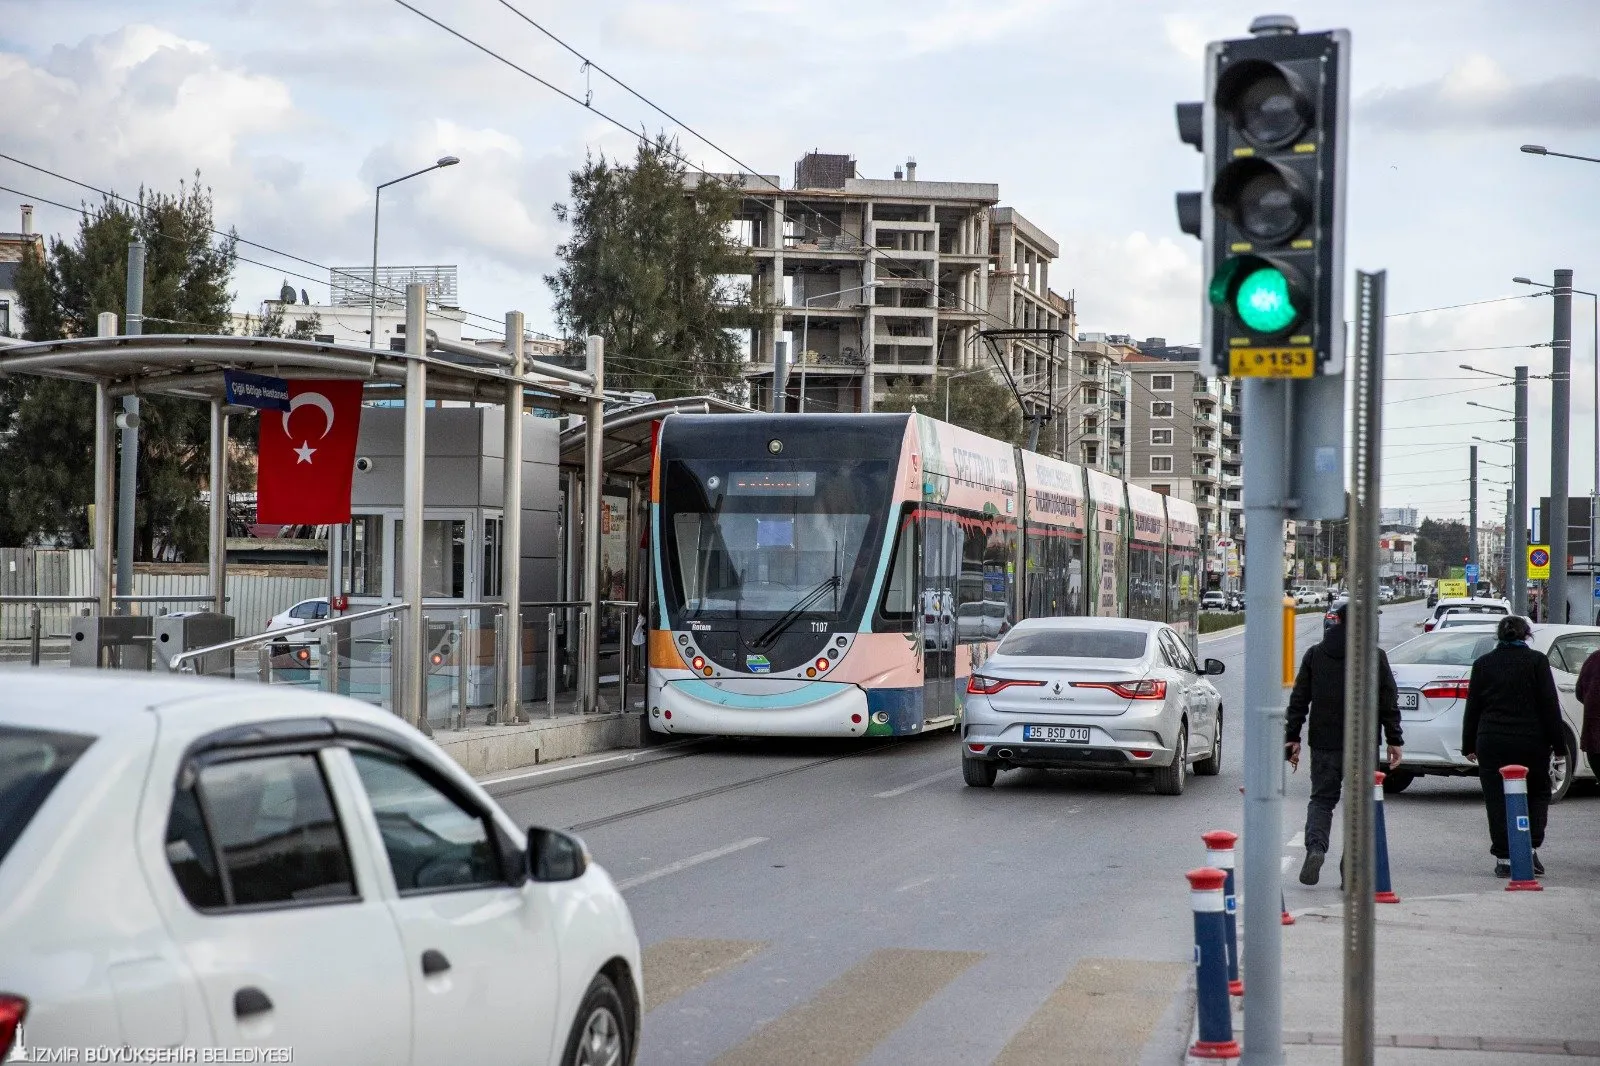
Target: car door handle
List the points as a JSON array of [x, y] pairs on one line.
[[249, 1002], [434, 962]]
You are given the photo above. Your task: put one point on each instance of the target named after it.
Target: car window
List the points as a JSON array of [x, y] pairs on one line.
[[303, 610], [320, 609], [271, 821], [1454, 647], [1570, 652], [433, 841], [1180, 653], [1075, 643], [32, 763]]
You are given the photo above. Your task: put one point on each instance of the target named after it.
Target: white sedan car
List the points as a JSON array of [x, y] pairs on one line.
[[1465, 605], [1431, 672], [1093, 693], [193, 864]]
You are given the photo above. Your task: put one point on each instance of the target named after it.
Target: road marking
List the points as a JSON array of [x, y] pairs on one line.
[[684, 864], [1298, 840], [914, 884], [854, 1012], [674, 967], [1104, 1012], [487, 781], [903, 789], [1287, 864]]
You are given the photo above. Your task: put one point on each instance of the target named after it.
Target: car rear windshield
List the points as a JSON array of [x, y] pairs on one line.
[[1075, 643], [31, 762], [1460, 647]]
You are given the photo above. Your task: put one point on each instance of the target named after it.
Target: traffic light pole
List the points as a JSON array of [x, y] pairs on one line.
[[1266, 508], [1560, 436]]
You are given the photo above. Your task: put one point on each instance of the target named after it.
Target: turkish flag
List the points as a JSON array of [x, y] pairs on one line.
[[307, 455]]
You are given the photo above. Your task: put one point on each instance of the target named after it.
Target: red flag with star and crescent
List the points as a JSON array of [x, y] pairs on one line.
[[307, 455]]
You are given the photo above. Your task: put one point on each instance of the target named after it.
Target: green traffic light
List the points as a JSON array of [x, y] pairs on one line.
[[1263, 302]]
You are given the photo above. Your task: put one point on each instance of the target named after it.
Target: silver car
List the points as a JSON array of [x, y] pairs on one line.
[[1431, 672], [1093, 693]]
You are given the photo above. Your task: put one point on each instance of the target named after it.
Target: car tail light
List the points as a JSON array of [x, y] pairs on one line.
[[13, 1009], [978, 685], [1151, 688], [1445, 690]]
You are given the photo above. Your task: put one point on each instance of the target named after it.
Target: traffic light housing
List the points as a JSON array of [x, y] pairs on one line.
[[1271, 219]]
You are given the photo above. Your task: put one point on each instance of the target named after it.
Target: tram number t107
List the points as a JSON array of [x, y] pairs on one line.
[[819, 627]]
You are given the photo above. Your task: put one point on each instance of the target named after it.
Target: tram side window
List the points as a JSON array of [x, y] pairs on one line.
[[1055, 575], [1146, 583], [900, 589], [941, 568]]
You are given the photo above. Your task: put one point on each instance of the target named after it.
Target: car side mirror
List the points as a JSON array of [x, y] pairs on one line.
[[556, 856], [1215, 666]]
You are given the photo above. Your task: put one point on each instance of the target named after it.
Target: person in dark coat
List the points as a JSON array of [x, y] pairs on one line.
[[1513, 718], [1589, 693], [1319, 693]]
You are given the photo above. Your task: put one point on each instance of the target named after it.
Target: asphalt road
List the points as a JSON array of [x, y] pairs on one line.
[[805, 902]]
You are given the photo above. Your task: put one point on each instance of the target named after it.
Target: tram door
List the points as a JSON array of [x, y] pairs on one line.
[[939, 549]]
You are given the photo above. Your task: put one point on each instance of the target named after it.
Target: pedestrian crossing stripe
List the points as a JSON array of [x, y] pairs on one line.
[[673, 967]]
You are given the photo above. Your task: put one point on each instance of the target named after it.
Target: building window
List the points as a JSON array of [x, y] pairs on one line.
[[1161, 436], [323, 338], [1161, 490], [5, 318], [1091, 424], [1091, 454], [1161, 464], [1091, 395], [1160, 408], [1160, 382]]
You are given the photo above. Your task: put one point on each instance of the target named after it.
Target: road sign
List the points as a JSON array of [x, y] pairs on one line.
[[1597, 586], [1538, 562], [1471, 573], [1452, 588], [256, 390]]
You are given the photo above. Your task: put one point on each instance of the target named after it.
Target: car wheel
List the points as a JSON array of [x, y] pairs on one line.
[[600, 1035], [978, 773], [1211, 765], [1170, 779], [1567, 761], [1396, 781]]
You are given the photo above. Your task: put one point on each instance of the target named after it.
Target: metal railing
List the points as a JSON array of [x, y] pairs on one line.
[[37, 603]]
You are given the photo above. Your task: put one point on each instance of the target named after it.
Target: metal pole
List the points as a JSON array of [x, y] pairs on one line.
[[780, 377], [462, 675], [372, 296], [414, 625], [1519, 479], [1560, 441], [805, 359], [1472, 508], [1266, 407], [550, 662], [1361, 673], [593, 473], [35, 633], [219, 508], [511, 525], [104, 481], [127, 492]]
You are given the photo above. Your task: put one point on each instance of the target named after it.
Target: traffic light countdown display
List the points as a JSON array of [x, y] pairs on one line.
[[1273, 130]]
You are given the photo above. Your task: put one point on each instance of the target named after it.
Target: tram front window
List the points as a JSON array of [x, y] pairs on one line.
[[767, 563]]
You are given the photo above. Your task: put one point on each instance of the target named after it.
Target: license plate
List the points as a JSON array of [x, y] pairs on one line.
[[1408, 701], [1057, 734], [1272, 362]]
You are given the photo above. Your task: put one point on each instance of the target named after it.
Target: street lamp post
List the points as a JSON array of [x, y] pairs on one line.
[[948, 378], [805, 332], [1539, 149], [377, 196], [1518, 578]]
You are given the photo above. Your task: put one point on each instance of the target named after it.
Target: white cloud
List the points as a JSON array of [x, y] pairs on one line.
[[1478, 94], [1132, 283], [1186, 35]]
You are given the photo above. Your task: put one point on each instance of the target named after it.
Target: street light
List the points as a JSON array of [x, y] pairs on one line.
[[1486, 407], [372, 302], [1539, 149], [948, 378], [805, 332]]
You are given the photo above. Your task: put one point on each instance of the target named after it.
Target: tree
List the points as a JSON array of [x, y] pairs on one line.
[[1441, 545], [979, 402], [647, 267], [46, 424]]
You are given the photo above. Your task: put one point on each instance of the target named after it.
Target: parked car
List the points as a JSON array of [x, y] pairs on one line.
[[1432, 671], [1469, 605], [1460, 619], [1093, 693], [313, 610], [1213, 601], [194, 863]]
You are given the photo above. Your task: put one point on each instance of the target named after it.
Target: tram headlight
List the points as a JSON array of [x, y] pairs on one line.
[[880, 717]]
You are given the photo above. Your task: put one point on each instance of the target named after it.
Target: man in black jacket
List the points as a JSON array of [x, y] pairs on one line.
[[1319, 691]]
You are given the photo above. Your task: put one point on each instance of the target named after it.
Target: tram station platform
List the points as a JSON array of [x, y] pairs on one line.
[[491, 749]]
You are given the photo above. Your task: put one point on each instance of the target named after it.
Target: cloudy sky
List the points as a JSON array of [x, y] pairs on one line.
[[293, 109]]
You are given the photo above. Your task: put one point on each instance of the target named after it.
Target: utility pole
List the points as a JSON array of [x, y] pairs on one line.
[[1560, 432], [128, 472], [1519, 478], [780, 377], [1472, 507]]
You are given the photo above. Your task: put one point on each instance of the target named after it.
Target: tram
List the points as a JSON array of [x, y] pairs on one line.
[[842, 574]]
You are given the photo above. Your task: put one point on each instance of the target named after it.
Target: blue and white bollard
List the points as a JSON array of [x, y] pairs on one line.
[[1514, 779], [1211, 967], [1382, 890], [1219, 856]]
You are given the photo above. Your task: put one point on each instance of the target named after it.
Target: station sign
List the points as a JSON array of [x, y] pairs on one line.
[[256, 390]]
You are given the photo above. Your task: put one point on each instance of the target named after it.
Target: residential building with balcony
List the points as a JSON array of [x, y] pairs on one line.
[[13, 246], [868, 282], [1097, 404]]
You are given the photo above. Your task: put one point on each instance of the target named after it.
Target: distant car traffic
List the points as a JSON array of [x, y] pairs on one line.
[[1461, 619], [1464, 605], [1093, 693], [1235, 601], [1213, 601], [191, 863], [1432, 672]]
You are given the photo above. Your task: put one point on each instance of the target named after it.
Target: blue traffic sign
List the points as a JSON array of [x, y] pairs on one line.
[[1472, 573], [1597, 586], [256, 390]]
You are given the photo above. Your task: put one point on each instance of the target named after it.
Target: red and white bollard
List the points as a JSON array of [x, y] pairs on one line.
[[1519, 838], [1213, 1013]]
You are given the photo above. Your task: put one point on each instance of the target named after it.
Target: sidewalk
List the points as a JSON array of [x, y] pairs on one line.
[[1502, 978]]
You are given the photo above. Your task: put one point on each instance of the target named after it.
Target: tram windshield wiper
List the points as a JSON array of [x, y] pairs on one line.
[[788, 618]]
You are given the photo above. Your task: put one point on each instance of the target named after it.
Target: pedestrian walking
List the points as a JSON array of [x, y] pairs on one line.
[[1319, 694], [1513, 718], [1589, 693]]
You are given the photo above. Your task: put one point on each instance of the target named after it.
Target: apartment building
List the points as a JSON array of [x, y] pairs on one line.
[[1097, 404], [12, 248], [870, 281]]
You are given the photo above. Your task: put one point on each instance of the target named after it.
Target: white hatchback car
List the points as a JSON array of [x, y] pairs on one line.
[[199, 864], [1093, 693], [1465, 605], [1432, 671]]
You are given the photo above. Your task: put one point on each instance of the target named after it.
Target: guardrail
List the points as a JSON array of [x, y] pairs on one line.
[[36, 632]]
